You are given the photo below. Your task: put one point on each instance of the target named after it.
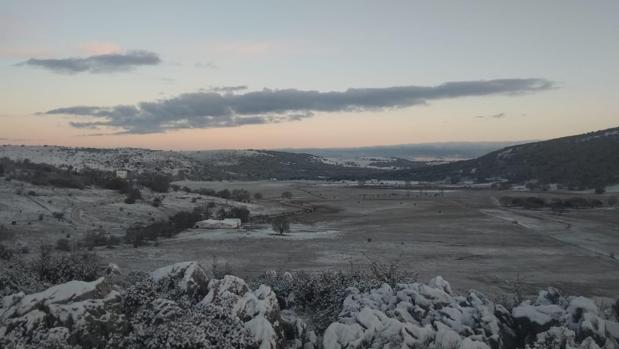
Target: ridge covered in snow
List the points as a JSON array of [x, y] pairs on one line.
[[131, 159]]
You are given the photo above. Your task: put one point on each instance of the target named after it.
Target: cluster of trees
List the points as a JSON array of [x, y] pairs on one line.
[[46, 267], [44, 174], [157, 182], [139, 235], [240, 195], [557, 204], [100, 238], [235, 212]]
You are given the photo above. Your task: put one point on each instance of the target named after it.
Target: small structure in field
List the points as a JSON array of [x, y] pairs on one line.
[[226, 223], [122, 174]]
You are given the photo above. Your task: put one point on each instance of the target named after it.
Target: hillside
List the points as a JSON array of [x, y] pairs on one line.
[[583, 161], [266, 164], [211, 164], [445, 151], [132, 159]]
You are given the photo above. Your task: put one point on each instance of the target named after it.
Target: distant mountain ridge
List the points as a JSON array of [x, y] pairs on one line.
[[267, 164], [588, 160], [414, 152], [210, 164], [583, 161]]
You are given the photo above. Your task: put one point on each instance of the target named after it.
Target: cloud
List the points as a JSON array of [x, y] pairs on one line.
[[492, 116], [228, 89], [104, 63], [211, 109]]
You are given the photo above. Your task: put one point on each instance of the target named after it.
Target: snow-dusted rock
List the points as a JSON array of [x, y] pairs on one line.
[[85, 311], [258, 309], [583, 317], [441, 284], [226, 291], [574, 322], [340, 335], [550, 296], [446, 338], [612, 329], [538, 318], [468, 343], [382, 298], [112, 269], [261, 301], [263, 332], [588, 343], [72, 291], [156, 313], [75, 313], [189, 277], [555, 337]]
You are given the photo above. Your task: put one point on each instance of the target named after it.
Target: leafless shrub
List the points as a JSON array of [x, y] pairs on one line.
[[320, 295]]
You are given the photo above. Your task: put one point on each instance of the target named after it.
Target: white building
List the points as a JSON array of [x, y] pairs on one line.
[[227, 223], [122, 174]]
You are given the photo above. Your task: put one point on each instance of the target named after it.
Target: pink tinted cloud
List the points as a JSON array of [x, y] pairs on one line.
[[100, 48]]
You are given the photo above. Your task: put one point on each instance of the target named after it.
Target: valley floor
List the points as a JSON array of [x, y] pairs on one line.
[[463, 235]]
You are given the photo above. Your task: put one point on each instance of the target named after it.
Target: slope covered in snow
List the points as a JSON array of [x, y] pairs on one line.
[[131, 159], [588, 160]]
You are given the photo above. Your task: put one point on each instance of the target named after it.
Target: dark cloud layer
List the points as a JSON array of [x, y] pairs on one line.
[[212, 109], [106, 63], [228, 88]]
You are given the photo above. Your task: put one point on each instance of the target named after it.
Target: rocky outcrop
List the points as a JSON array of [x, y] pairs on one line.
[[189, 278], [429, 316], [568, 322], [258, 309], [77, 312], [415, 316], [178, 306]]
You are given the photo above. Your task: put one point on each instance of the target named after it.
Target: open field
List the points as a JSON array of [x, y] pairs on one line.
[[463, 235]]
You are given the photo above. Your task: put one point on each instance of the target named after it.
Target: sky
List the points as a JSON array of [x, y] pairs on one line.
[[283, 74]]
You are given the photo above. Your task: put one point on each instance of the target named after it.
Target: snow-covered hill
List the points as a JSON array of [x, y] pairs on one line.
[[132, 159], [209, 164]]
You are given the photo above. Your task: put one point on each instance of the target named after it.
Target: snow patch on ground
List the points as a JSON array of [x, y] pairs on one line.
[[297, 232]]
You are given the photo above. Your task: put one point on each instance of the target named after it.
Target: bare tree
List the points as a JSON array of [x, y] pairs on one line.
[[280, 225]]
